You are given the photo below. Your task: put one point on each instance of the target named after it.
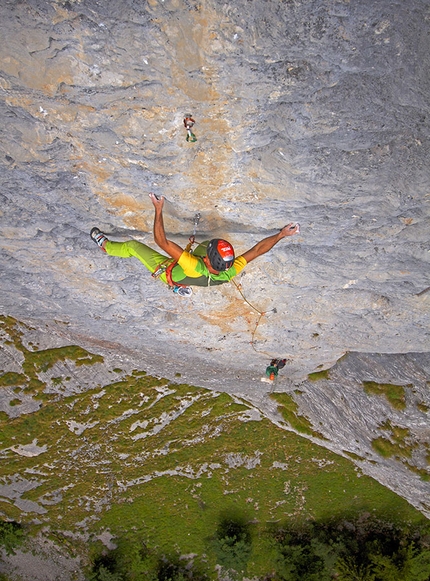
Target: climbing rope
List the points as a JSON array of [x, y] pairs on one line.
[[261, 315], [168, 269]]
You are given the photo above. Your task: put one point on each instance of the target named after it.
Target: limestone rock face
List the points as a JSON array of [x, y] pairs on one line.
[[316, 112]]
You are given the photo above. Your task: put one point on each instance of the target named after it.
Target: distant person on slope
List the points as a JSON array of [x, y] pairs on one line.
[[211, 263]]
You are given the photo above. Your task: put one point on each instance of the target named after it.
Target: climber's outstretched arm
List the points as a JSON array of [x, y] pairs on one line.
[[171, 248], [268, 243]]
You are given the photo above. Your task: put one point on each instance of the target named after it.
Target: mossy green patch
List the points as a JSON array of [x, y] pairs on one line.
[[395, 394], [14, 402], [398, 443], [289, 408], [44, 360], [12, 378], [423, 473], [385, 448], [352, 455], [36, 362], [318, 375]]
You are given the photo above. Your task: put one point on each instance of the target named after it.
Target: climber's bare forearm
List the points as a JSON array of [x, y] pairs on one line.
[[268, 243], [171, 248]]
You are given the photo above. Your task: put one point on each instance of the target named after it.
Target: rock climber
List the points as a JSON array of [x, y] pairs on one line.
[[211, 263]]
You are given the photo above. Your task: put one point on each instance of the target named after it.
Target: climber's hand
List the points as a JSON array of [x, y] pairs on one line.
[[290, 229], [158, 201]]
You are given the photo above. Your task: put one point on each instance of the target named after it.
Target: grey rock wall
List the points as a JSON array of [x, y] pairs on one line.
[[311, 111]]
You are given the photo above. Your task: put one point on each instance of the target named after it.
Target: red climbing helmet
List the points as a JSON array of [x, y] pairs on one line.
[[220, 254]]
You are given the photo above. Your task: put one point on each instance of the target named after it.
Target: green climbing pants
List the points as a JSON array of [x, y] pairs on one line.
[[147, 256]]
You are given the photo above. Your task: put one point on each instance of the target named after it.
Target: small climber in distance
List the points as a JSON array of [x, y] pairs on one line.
[[211, 263]]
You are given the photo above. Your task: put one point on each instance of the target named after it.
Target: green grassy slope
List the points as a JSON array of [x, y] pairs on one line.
[[163, 462]]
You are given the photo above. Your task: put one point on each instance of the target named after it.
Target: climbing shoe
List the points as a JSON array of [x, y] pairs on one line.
[[98, 237], [183, 291]]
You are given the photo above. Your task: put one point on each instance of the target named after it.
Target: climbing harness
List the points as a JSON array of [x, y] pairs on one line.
[[188, 123], [181, 289]]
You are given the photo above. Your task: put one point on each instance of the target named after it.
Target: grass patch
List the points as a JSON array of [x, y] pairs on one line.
[[36, 362], [56, 380], [395, 394], [422, 472], [385, 448], [318, 375], [14, 402], [353, 456], [134, 469], [12, 378], [288, 408], [399, 444], [44, 360]]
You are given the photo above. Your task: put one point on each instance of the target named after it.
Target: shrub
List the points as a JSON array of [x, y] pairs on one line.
[[363, 550], [105, 568], [11, 536], [232, 544]]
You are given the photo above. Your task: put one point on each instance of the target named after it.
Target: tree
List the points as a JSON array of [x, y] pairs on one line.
[[232, 544], [302, 558], [349, 570], [11, 536]]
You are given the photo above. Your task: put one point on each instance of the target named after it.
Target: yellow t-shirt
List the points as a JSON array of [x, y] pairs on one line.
[[192, 267]]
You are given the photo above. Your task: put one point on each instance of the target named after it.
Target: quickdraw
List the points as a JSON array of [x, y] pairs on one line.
[[160, 269], [188, 123]]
